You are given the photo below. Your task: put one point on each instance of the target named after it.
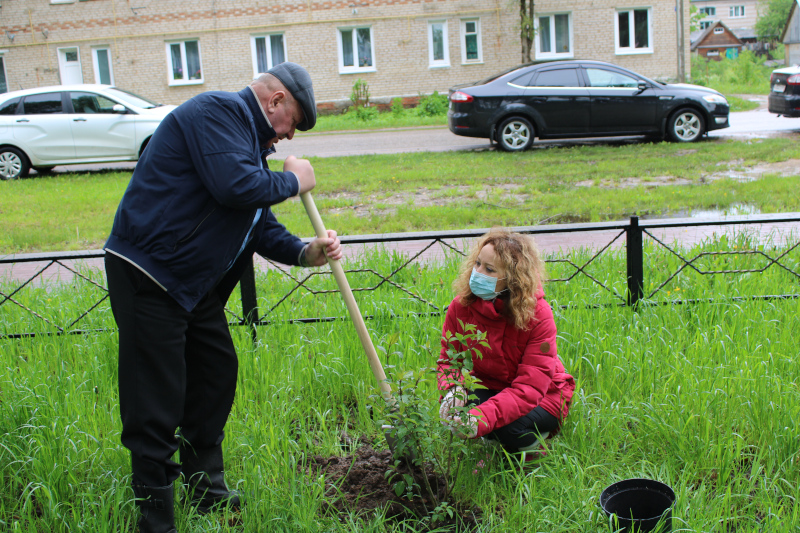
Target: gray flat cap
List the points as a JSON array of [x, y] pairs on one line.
[[297, 80]]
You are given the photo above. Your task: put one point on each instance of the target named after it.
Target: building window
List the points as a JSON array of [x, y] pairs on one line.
[[719, 30], [633, 31], [268, 51], [103, 73], [356, 50], [705, 24], [438, 50], [554, 35], [708, 11], [737, 12], [3, 79], [712, 53], [183, 62], [62, 1], [471, 41]]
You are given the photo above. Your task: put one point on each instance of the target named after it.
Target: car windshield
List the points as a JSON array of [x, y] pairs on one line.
[[132, 98]]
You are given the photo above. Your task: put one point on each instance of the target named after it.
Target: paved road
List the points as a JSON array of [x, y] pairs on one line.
[[747, 124]]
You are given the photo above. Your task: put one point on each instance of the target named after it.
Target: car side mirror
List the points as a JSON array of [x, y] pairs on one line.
[[642, 86], [119, 109]]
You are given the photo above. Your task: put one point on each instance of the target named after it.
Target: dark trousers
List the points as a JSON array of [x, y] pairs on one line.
[[177, 369], [522, 432]]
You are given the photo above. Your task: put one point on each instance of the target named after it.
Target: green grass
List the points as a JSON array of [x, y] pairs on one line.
[[701, 397], [409, 118], [741, 104], [448, 190]]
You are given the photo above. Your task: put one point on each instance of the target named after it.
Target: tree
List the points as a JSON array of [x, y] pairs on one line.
[[526, 30], [770, 24], [695, 16]]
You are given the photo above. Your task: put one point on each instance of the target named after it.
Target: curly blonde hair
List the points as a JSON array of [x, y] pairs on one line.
[[525, 274]]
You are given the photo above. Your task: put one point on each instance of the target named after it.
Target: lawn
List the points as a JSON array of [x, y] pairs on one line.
[[702, 397], [456, 190]]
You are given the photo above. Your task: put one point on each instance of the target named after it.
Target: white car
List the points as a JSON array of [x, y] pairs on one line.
[[67, 124]]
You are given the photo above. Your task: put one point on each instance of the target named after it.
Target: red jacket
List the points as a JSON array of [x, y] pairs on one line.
[[523, 365]]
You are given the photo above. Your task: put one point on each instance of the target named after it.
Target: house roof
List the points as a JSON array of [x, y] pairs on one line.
[[789, 19], [706, 32]]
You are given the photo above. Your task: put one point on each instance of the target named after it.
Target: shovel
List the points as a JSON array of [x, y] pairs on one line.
[[355, 315]]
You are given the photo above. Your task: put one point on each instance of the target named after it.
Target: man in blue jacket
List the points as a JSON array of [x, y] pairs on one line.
[[195, 211]]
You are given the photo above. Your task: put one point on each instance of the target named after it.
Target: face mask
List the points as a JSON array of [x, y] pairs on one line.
[[483, 286]]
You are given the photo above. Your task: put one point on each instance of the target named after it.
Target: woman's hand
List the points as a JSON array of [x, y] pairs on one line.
[[466, 428], [455, 397]]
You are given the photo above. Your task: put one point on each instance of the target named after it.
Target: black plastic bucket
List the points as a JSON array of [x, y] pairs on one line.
[[638, 505]]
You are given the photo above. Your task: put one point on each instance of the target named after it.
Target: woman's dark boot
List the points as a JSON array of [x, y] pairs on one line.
[[156, 508], [204, 478]]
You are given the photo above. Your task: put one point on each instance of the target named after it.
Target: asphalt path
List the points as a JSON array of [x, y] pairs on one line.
[[758, 123]]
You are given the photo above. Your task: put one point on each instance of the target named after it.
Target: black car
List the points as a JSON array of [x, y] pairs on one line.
[[784, 94], [565, 99]]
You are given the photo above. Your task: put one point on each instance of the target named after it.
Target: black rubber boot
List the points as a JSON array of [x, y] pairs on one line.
[[204, 479], [156, 508]]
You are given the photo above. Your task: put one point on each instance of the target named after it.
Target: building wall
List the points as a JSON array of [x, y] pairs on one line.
[[751, 12], [136, 33]]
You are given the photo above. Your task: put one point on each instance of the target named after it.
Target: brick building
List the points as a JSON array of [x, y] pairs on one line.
[[170, 50]]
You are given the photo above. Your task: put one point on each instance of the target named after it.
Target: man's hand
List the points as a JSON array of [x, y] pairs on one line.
[[319, 248], [455, 397], [303, 170]]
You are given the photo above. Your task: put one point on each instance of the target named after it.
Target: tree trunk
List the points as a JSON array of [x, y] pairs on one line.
[[526, 28]]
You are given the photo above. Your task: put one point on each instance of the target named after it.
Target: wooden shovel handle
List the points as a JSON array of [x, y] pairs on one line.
[[349, 300]]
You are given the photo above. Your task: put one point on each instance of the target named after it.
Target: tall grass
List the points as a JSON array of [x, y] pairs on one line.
[[702, 397], [746, 74]]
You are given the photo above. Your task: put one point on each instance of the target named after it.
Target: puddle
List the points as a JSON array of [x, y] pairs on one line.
[[733, 210]]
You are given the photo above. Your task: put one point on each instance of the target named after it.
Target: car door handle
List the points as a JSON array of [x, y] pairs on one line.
[[23, 120], [78, 120]]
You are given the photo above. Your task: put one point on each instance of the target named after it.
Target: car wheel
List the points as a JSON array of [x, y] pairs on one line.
[[13, 164], [515, 134], [685, 126]]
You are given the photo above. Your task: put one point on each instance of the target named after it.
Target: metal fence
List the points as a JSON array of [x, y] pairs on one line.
[[603, 237]]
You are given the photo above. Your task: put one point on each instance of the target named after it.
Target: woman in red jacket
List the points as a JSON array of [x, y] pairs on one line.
[[528, 392]]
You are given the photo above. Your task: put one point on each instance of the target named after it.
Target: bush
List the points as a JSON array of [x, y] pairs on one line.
[[397, 106], [366, 113], [432, 105], [360, 94]]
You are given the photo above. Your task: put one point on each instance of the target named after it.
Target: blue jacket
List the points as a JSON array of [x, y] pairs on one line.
[[194, 194]]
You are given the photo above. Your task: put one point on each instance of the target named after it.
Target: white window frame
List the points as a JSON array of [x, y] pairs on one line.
[[268, 46], [445, 61], [705, 24], [62, 1], [736, 9], [553, 55], [719, 30], [96, 64], [712, 53], [182, 42], [710, 11], [464, 60], [355, 69], [632, 50]]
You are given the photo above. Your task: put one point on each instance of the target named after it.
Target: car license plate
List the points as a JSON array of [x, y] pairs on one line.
[[778, 88]]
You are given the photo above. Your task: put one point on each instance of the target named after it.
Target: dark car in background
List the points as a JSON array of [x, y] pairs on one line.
[[784, 94], [568, 99]]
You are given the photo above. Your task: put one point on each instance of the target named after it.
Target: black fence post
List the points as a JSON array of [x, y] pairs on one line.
[[635, 257], [247, 285]]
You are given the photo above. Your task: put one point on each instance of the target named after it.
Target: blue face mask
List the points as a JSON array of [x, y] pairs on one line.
[[483, 286]]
